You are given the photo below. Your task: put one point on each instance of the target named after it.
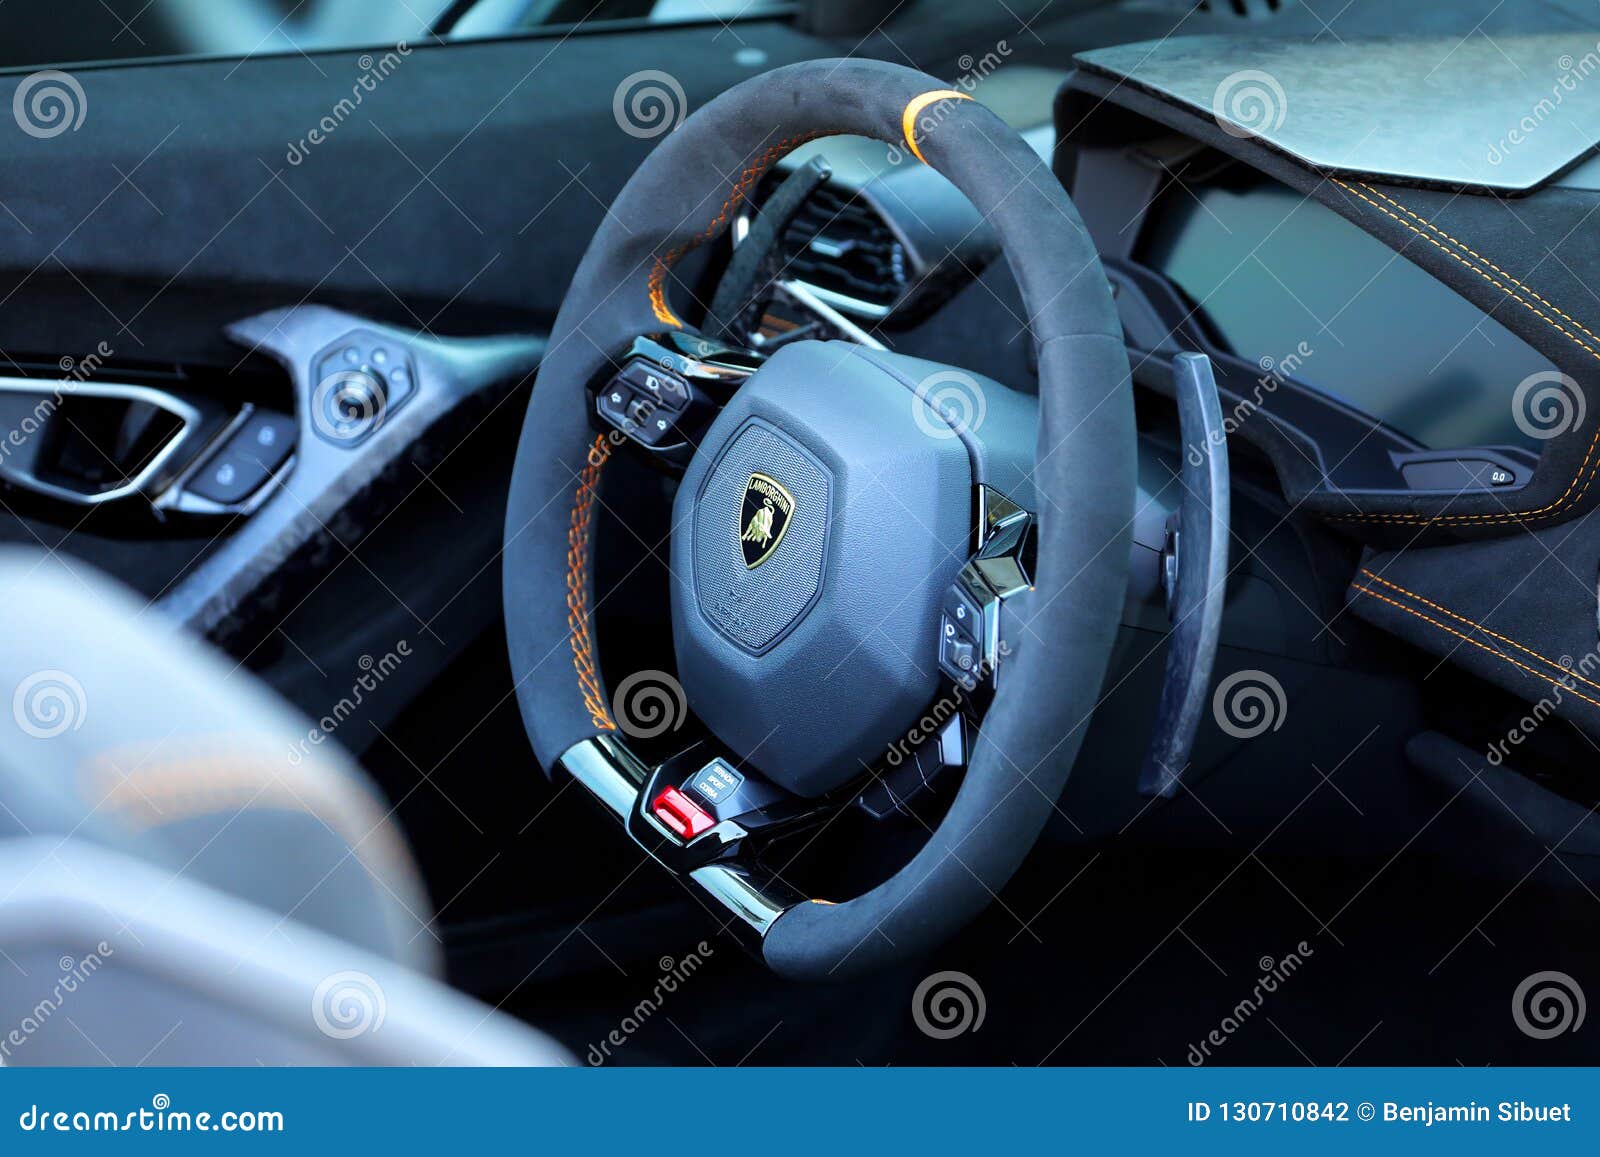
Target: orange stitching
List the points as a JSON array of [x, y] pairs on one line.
[[1508, 516], [741, 189], [578, 585], [1567, 498], [1469, 249], [1368, 591], [224, 772], [1473, 623]]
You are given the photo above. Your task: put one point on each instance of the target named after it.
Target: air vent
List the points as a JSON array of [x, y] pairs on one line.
[[839, 243], [1245, 9]]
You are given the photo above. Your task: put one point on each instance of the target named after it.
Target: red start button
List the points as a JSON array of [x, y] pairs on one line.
[[681, 814]]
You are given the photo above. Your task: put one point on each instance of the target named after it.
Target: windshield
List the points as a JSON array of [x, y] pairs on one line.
[[35, 32]]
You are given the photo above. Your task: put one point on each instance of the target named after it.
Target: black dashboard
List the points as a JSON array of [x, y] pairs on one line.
[[1296, 306], [1280, 279]]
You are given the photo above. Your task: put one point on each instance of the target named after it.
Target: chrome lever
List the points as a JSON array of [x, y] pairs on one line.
[[30, 406]]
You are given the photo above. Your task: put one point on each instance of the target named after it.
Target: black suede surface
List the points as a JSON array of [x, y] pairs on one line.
[[1085, 477], [1520, 612]]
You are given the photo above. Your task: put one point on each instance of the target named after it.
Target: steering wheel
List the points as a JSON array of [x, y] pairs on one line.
[[844, 539]]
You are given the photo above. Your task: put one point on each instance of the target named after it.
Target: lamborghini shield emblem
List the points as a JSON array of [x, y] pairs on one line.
[[763, 517]]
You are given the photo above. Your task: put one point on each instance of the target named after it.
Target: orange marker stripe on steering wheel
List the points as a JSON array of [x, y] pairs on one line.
[[908, 119]]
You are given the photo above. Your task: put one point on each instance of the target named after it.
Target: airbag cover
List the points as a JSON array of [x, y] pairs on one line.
[[761, 532], [813, 647]]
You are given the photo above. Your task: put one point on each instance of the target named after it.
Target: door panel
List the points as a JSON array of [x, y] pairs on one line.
[[456, 196]]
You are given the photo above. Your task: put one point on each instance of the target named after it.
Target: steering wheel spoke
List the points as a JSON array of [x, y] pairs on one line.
[[702, 819], [971, 636], [972, 647], [664, 392]]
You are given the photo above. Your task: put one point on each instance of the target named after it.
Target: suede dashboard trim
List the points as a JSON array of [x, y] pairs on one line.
[[1560, 676], [1482, 266]]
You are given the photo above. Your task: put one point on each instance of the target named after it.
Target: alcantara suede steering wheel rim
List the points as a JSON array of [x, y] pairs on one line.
[[685, 194]]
